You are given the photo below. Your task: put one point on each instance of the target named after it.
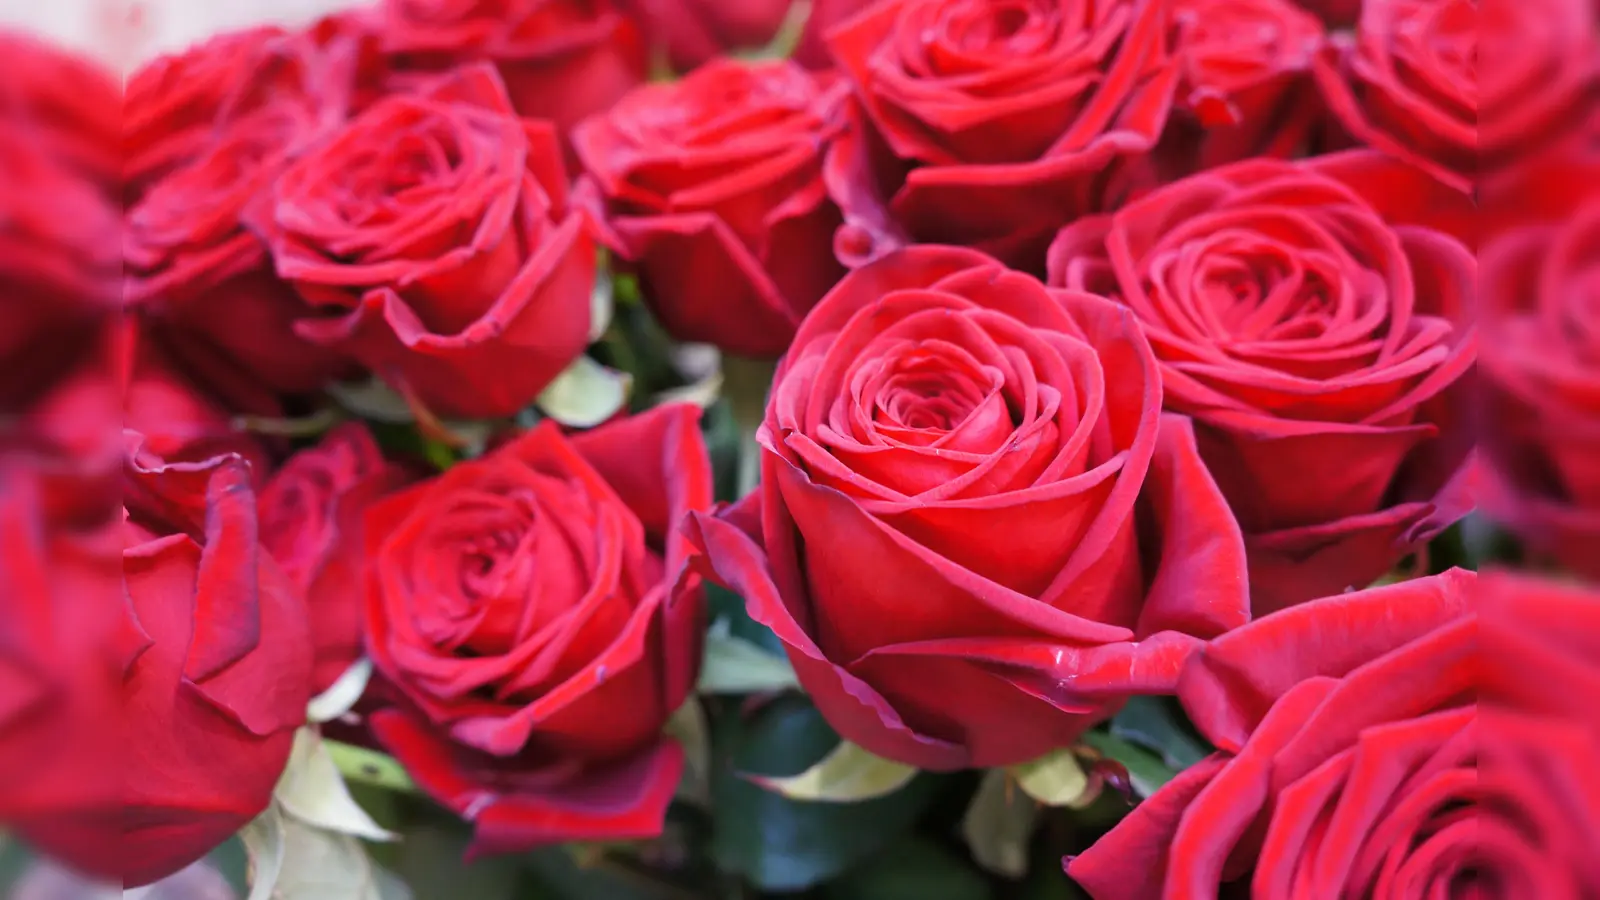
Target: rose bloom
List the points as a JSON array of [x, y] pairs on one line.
[[214, 656], [692, 32], [534, 610], [72, 104], [431, 239], [1320, 345], [712, 188], [206, 282], [976, 533], [1411, 83], [1247, 88], [1427, 739], [176, 106], [561, 60], [989, 125], [1541, 358], [312, 515]]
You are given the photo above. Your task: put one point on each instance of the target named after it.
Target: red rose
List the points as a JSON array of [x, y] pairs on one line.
[[206, 282], [1320, 349], [812, 51], [58, 257], [713, 189], [691, 32], [1354, 758], [1409, 82], [988, 124], [311, 515], [1247, 88], [1541, 362], [561, 60], [217, 660], [535, 610], [176, 106], [433, 238], [73, 105], [975, 532]]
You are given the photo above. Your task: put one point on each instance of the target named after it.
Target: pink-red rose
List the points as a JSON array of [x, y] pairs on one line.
[[431, 239], [72, 104], [712, 189], [990, 124], [976, 532], [534, 609], [1320, 345], [312, 515]]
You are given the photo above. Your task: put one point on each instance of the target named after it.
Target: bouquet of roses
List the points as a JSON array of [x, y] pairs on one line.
[[741, 448]]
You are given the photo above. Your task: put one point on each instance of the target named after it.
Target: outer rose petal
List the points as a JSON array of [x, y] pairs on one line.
[[623, 800]]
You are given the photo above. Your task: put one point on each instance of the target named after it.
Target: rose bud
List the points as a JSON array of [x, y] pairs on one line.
[[432, 240], [534, 609], [1320, 347], [713, 190], [990, 124], [212, 656], [1403, 742], [1541, 357], [561, 60], [312, 513], [1409, 84], [976, 533]]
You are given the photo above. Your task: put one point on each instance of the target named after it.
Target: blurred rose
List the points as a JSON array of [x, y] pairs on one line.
[[1541, 359], [713, 190], [992, 124], [945, 533], [1246, 88], [72, 105], [312, 523], [1411, 83], [433, 240], [561, 60], [1347, 764], [206, 282], [534, 608], [1320, 345], [691, 32]]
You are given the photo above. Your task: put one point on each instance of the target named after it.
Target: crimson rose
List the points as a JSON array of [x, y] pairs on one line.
[[990, 124], [976, 533], [1319, 346], [433, 241], [713, 190], [535, 610]]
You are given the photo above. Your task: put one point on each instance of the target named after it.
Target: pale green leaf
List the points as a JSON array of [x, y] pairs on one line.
[[372, 399], [847, 775], [999, 824], [702, 393], [690, 728], [602, 303], [734, 665], [324, 865], [585, 394], [1056, 779], [263, 841], [312, 791], [342, 695], [358, 764]]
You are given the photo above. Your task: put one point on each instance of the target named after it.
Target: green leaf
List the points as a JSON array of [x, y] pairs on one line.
[[734, 665], [780, 844], [1154, 724], [913, 869], [1146, 769], [602, 303], [1055, 779], [263, 840], [690, 728], [311, 791], [999, 824], [847, 775], [322, 865], [363, 766], [585, 394], [343, 694], [433, 866]]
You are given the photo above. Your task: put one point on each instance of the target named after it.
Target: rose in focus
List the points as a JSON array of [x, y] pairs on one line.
[[975, 532], [535, 611], [712, 189], [990, 124], [1319, 339], [432, 240]]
